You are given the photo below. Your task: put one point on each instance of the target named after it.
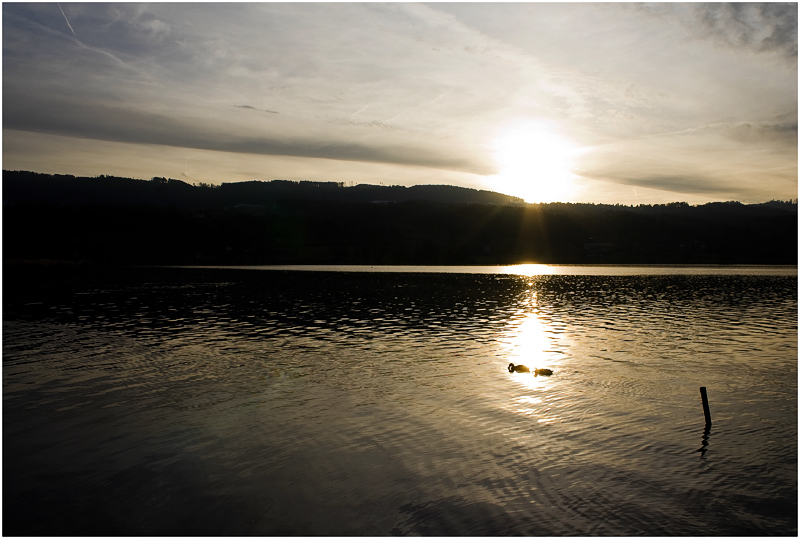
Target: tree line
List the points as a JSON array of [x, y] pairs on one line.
[[260, 224]]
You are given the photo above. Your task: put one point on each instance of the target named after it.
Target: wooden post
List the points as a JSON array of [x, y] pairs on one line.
[[706, 411]]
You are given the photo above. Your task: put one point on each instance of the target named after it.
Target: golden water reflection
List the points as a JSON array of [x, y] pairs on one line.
[[529, 270], [529, 340]]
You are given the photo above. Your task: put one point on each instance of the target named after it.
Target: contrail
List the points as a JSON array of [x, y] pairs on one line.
[[418, 106], [86, 46], [66, 19], [359, 110]]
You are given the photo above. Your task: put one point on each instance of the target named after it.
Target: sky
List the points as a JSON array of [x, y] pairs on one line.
[[574, 102]]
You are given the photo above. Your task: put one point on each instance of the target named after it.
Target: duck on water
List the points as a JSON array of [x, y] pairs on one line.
[[523, 368]]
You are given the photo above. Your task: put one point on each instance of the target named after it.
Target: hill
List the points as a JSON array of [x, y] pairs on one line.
[[162, 221], [20, 187]]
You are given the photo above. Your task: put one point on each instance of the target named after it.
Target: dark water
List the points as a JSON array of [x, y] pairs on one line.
[[230, 402]]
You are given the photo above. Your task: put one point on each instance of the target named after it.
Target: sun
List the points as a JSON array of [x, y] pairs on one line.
[[534, 163]]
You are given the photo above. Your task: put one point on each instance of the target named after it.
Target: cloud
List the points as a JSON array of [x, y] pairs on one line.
[[691, 184], [644, 86], [133, 126], [53, 154], [253, 108], [780, 133], [762, 27], [728, 160], [180, 78], [766, 27], [377, 124]]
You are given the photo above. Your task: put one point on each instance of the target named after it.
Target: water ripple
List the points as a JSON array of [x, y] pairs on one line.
[[384, 402]]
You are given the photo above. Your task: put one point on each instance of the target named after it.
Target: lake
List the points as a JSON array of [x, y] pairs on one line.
[[377, 401]]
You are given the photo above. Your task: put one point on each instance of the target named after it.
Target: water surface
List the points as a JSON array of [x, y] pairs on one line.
[[538, 269], [229, 402]]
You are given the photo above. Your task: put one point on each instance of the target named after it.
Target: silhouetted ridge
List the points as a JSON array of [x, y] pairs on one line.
[[30, 187], [166, 221]]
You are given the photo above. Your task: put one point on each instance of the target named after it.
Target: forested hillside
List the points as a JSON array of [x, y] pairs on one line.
[[162, 221], [27, 187]]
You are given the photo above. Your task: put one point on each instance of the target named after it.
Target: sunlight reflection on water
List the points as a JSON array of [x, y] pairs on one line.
[[167, 401], [531, 270]]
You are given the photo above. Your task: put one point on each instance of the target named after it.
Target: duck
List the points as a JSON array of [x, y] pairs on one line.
[[523, 368]]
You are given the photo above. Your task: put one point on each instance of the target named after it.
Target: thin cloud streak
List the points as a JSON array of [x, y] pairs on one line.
[[66, 19]]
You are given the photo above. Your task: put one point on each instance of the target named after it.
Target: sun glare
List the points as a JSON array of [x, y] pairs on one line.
[[529, 270], [534, 163], [529, 341]]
